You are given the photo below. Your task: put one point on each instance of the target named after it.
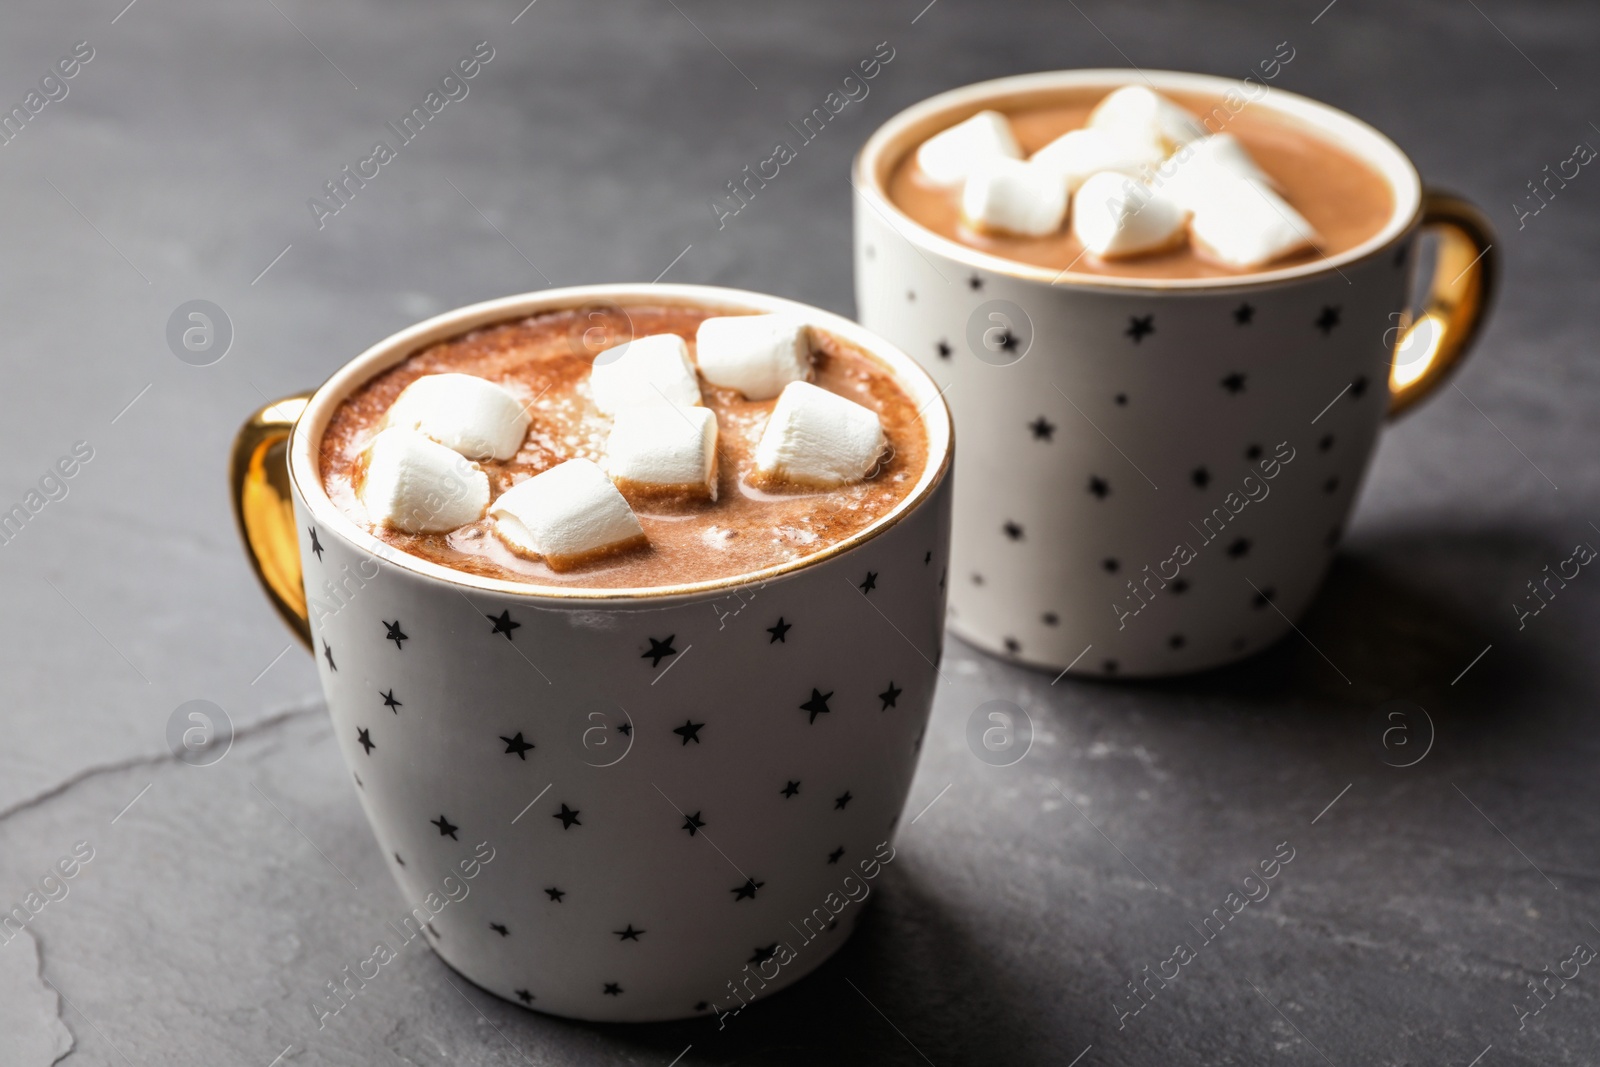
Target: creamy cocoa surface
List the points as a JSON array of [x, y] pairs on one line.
[[1345, 199], [545, 360]]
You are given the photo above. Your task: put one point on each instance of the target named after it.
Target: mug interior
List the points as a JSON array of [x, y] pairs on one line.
[[304, 442], [902, 133]]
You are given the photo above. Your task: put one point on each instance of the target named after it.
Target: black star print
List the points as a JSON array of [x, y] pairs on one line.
[[1359, 386], [1111, 566], [1326, 443], [1043, 429], [1180, 586], [1233, 383], [689, 731], [390, 702], [889, 696], [503, 624], [790, 790], [870, 582], [555, 894], [525, 996], [833, 857], [613, 989], [660, 650], [841, 801], [817, 705], [975, 283], [1328, 319], [1175, 641], [328, 654], [1099, 487], [445, 828], [568, 817], [1201, 477], [499, 929], [779, 630], [364, 739], [1239, 548], [1253, 452], [1013, 646], [764, 954], [944, 349], [398, 860], [1139, 326], [1006, 340], [1243, 313], [316, 546], [394, 634], [1330, 485], [746, 891], [1263, 598], [927, 557], [516, 746], [1050, 618], [1121, 399], [692, 823], [1013, 531], [628, 934], [626, 729]]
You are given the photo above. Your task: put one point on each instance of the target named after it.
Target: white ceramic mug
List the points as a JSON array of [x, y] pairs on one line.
[[1155, 472], [682, 792]]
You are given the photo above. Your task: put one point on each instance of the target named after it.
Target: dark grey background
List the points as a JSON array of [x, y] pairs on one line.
[[1417, 906]]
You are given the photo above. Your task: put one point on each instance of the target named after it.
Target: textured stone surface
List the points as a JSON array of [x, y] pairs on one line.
[[1416, 907]]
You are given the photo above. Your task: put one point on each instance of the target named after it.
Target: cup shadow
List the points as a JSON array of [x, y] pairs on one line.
[[909, 985]]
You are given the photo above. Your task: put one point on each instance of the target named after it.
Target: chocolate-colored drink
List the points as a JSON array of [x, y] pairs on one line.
[[1322, 197], [740, 517]]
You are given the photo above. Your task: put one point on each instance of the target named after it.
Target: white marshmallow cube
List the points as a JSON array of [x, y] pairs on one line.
[[570, 514], [1116, 216], [948, 157], [648, 370], [1201, 165], [1077, 154], [414, 484], [755, 354], [664, 448], [1142, 116], [818, 439], [1009, 196], [1243, 224], [471, 415]]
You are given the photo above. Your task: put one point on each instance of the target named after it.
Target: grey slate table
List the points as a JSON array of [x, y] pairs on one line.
[[219, 900]]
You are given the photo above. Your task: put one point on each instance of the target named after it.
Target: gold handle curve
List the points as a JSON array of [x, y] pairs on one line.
[[263, 508], [1466, 273]]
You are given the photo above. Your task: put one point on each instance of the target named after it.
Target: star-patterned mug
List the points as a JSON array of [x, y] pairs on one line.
[[1155, 473], [614, 804]]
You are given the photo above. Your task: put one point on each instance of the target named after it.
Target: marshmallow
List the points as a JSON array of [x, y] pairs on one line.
[[755, 354], [1244, 224], [1141, 116], [413, 483], [819, 439], [1008, 196], [1116, 216], [949, 156], [569, 514], [1077, 154], [475, 417], [1198, 166], [649, 370], [664, 449]]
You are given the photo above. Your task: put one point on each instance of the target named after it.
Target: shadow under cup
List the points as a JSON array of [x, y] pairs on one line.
[[1155, 473], [617, 804]]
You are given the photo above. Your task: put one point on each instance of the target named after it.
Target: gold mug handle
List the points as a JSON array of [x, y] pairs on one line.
[[1466, 272], [263, 508]]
